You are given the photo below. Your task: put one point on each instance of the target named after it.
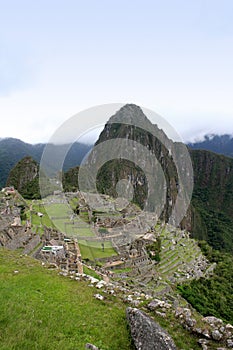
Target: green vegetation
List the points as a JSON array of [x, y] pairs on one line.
[[90, 272], [41, 310], [154, 250], [92, 250], [70, 180], [212, 215], [213, 296], [25, 178], [44, 220], [61, 216]]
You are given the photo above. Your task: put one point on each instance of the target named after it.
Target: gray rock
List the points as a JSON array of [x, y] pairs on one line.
[[213, 320], [204, 347], [91, 347], [190, 321], [216, 335], [203, 341], [156, 303], [146, 333], [229, 327], [99, 296], [230, 343]]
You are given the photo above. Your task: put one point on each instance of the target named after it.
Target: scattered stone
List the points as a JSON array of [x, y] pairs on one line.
[[229, 328], [204, 347], [203, 341], [146, 333], [216, 335], [222, 329], [190, 321], [154, 304], [101, 284], [206, 333], [91, 347], [99, 296], [213, 321], [135, 303], [230, 343]]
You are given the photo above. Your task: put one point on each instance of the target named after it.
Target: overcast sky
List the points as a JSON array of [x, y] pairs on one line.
[[59, 57]]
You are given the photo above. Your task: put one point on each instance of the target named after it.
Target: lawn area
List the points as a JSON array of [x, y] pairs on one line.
[[92, 249], [42, 310], [58, 210], [58, 215]]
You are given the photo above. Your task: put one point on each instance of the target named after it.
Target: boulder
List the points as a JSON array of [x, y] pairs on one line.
[[230, 343], [213, 321], [216, 335], [91, 347], [146, 333]]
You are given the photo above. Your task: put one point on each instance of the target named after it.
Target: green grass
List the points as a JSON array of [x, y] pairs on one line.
[[42, 310], [36, 220], [91, 272], [53, 216], [125, 270], [93, 250], [73, 230]]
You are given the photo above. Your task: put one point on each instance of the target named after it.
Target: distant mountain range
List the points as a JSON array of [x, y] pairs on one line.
[[218, 144], [210, 216], [13, 150]]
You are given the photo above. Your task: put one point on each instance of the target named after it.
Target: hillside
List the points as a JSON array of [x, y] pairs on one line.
[[24, 177], [92, 309], [13, 150], [41, 310], [222, 144], [210, 216]]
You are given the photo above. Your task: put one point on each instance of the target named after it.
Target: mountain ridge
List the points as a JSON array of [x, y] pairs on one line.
[[220, 144], [13, 150]]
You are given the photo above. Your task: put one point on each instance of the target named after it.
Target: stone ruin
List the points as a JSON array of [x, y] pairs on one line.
[[68, 258]]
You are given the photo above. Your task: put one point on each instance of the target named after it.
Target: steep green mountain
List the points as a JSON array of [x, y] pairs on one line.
[[13, 150], [70, 179], [210, 216], [222, 144], [25, 178], [212, 212]]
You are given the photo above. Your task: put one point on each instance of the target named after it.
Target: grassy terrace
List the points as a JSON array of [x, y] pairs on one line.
[[92, 250], [41, 310], [173, 256], [58, 215]]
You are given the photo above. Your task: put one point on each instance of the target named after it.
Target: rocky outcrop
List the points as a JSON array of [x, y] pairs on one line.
[[146, 333]]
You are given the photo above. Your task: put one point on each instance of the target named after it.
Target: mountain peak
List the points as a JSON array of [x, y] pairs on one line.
[[129, 114]]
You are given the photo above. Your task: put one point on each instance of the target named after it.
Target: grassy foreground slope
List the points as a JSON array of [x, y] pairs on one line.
[[41, 310]]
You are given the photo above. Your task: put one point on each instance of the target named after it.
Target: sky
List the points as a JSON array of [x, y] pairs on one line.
[[58, 58]]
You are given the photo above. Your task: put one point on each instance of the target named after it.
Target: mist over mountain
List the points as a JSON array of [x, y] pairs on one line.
[[222, 144], [13, 150]]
